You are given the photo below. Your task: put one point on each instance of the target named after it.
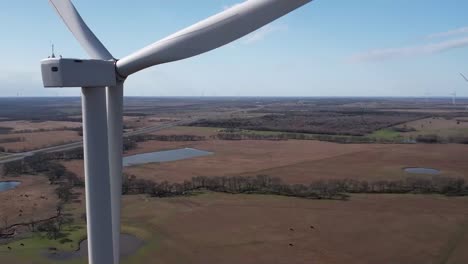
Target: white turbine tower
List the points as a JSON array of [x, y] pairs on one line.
[[102, 80]]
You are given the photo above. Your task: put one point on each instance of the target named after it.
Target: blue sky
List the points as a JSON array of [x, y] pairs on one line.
[[327, 48]]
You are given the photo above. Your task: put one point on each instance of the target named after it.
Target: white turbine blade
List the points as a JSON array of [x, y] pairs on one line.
[[80, 30], [464, 77], [209, 34]]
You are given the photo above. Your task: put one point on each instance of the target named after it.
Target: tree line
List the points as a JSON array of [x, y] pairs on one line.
[[425, 139], [300, 136], [11, 139], [316, 121], [435, 139], [132, 141], [260, 184], [26, 131], [321, 189], [41, 164], [53, 227], [44, 164], [5, 130]]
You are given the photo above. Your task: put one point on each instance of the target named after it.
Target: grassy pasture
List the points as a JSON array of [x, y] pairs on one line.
[[37, 140], [223, 228]]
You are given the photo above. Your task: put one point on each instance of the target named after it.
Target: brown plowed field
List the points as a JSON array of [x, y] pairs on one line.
[[305, 161]]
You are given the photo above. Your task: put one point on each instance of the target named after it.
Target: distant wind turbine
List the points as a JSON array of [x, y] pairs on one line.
[[454, 98], [466, 79], [427, 95]]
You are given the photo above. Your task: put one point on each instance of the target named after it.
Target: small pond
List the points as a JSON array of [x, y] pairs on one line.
[[164, 156], [8, 185], [428, 171]]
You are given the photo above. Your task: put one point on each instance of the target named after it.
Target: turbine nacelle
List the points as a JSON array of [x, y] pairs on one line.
[[63, 72]]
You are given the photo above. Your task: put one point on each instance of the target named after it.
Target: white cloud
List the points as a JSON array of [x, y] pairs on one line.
[[262, 33], [411, 51], [458, 41], [450, 33]]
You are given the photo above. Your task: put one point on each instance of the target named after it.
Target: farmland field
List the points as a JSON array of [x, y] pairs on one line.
[[439, 126], [220, 228], [216, 228], [304, 161], [24, 125], [301, 141], [36, 140], [297, 161], [33, 199]]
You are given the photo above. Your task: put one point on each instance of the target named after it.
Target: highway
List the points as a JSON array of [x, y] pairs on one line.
[[8, 157], [69, 146]]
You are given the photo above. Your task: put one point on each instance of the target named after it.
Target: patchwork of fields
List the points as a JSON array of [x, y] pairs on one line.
[[208, 227]]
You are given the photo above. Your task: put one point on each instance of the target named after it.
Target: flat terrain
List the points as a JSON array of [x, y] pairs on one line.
[[298, 161], [217, 228], [34, 199], [186, 130], [385, 163], [36, 140], [133, 122], [305, 161], [240, 157], [22, 125], [221, 228], [438, 126], [230, 158]]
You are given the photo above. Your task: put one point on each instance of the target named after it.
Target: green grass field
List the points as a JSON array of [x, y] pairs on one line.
[[33, 248], [387, 134]]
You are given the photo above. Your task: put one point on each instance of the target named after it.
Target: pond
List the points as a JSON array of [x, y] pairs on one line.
[[164, 156], [428, 171], [8, 185]]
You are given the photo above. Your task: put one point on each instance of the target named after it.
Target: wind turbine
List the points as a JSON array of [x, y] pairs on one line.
[[466, 79], [454, 98], [427, 94], [102, 80]]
